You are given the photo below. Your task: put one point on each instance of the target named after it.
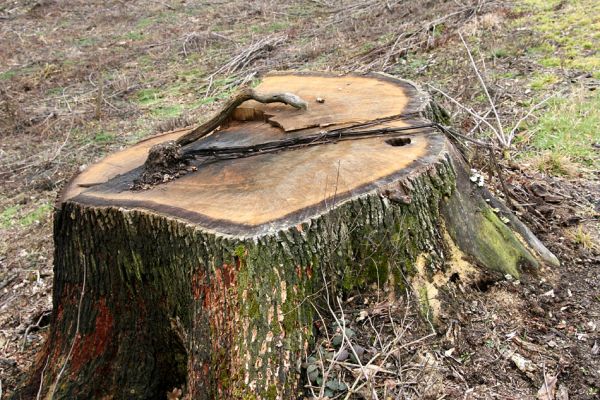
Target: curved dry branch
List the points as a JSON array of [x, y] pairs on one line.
[[231, 104]]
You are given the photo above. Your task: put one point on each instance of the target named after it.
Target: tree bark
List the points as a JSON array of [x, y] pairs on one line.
[[149, 297]]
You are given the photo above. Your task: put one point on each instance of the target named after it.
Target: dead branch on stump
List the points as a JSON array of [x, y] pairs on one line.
[[241, 96], [165, 160]]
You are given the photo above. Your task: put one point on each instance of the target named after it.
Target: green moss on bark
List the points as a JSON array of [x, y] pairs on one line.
[[239, 311], [499, 248]]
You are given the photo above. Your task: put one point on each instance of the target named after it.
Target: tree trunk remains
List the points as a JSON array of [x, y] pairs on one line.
[[208, 283]]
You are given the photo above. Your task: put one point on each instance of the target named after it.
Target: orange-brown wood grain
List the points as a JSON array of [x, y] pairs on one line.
[[265, 190]]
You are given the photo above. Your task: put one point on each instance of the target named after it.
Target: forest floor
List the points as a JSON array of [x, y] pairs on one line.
[[81, 79]]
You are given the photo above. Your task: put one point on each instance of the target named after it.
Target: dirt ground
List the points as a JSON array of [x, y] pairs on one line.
[[80, 79]]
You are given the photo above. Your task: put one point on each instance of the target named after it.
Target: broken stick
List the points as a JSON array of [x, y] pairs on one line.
[[241, 96]]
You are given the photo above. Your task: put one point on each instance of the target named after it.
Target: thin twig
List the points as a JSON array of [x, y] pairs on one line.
[[37, 325], [501, 178], [39, 393], [473, 113], [502, 137], [531, 110], [452, 132], [545, 381], [241, 96], [345, 336]]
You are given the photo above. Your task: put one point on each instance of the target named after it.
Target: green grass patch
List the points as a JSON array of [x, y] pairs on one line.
[[104, 137], [169, 111], [86, 42], [542, 81], [6, 75], [13, 215], [133, 35], [156, 19], [500, 53], [270, 28], [55, 91], [571, 32], [148, 97], [39, 214], [439, 29], [144, 23], [551, 62], [568, 129], [8, 216], [508, 74], [542, 49]]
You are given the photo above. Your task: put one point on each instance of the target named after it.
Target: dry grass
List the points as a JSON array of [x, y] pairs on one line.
[[556, 164], [581, 237]]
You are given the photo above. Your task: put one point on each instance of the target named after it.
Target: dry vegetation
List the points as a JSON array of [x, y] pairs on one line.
[[79, 79]]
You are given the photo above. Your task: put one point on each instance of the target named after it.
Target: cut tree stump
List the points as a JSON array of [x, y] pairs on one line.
[[208, 282]]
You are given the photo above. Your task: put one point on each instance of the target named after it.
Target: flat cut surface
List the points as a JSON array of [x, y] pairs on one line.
[[115, 164], [347, 99], [267, 192]]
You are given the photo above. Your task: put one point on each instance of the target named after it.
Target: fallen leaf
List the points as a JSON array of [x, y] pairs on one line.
[[522, 363], [342, 355], [548, 389], [175, 394], [362, 316], [449, 352]]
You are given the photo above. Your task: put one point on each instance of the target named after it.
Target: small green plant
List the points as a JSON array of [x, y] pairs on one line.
[[146, 97], [542, 81], [508, 75], [465, 357], [438, 30], [417, 62], [85, 42], [104, 137], [135, 36], [7, 216], [500, 53], [37, 215], [581, 237]]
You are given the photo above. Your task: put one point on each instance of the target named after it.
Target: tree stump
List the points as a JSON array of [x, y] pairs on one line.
[[208, 282]]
